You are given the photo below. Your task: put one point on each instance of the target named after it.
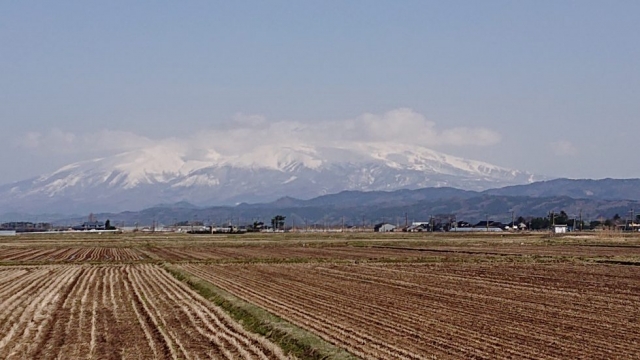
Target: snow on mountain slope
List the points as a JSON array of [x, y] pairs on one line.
[[142, 178]]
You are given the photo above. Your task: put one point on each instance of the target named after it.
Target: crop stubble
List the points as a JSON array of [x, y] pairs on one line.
[[281, 252], [70, 254], [103, 312], [197, 252], [455, 309], [458, 310], [22, 254]]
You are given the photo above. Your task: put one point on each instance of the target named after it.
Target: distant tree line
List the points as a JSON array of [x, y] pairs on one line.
[[446, 223], [561, 218]]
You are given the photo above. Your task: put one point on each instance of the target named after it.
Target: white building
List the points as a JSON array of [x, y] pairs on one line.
[[384, 228], [559, 229]]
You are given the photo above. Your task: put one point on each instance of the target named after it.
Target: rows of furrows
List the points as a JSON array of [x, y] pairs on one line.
[[204, 253], [75, 254], [115, 312], [528, 249], [183, 253], [452, 310], [28, 306]]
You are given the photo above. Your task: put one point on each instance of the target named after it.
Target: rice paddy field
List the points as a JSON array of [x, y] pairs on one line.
[[320, 296]]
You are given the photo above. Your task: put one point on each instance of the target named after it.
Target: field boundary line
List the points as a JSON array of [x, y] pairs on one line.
[[291, 338]]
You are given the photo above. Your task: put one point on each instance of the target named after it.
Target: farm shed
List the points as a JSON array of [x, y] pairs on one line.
[[384, 228], [559, 229]]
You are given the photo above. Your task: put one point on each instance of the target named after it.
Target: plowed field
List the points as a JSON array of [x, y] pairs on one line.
[[84, 296], [66, 254], [450, 310], [123, 312], [28, 254], [526, 250], [282, 252]]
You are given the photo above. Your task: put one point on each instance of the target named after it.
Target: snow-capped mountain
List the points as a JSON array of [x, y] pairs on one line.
[[146, 177]]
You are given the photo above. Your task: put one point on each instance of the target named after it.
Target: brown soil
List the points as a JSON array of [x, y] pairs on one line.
[[454, 310], [114, 312], [68, 254]]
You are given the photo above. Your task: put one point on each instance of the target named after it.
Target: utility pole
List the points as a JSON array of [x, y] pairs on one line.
[[553, 221], [487, 215], [581, 223], [342, 229], [406, 220]]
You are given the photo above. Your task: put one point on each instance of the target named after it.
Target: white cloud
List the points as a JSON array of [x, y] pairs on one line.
[[401, 126], [249, 132], [564, 148], [31, 140], [55, 139], [61, 142]]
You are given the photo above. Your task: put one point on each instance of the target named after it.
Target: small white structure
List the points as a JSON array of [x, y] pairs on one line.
[[559, 229], [384, 228], [8, 233]]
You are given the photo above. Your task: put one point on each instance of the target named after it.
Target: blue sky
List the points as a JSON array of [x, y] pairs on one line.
[[556, 82]]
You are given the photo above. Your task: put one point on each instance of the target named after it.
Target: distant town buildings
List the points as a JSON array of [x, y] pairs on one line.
[[556, 223], [90, 225], [25, 226]]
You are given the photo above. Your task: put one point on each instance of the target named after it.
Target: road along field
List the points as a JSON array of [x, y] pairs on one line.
[[114, 312], [449, 310]]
